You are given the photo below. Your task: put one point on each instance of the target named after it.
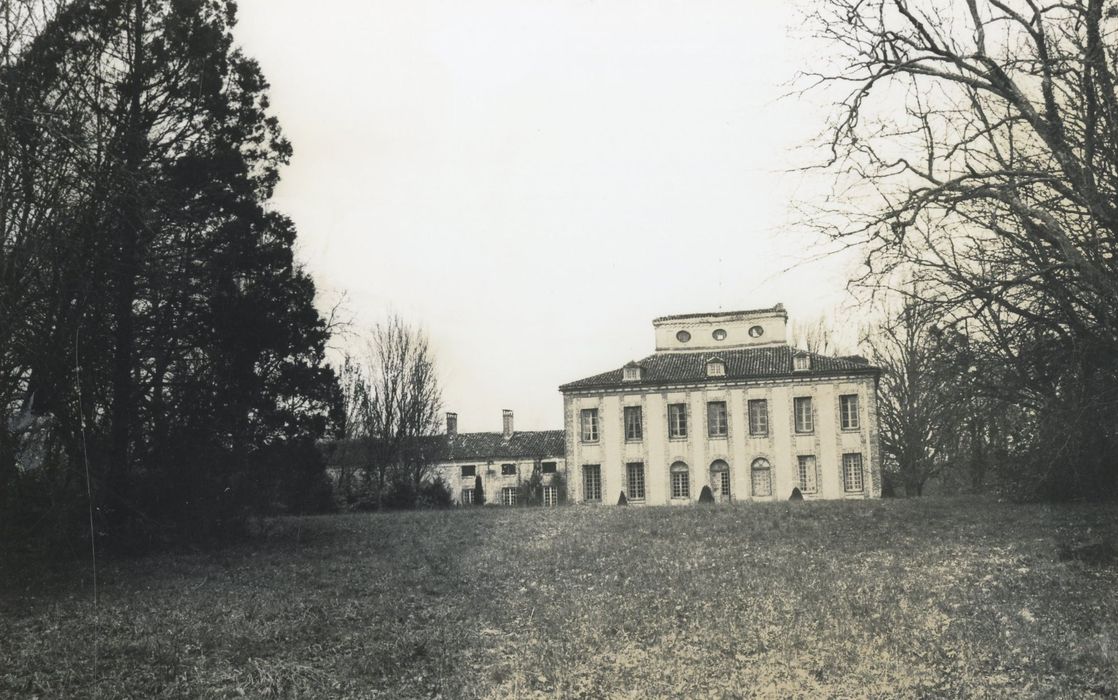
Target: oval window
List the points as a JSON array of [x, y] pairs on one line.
[[683, 336], [756, 332], [719, 334]]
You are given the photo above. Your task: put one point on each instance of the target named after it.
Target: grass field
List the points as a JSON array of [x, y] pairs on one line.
[[945, 598]]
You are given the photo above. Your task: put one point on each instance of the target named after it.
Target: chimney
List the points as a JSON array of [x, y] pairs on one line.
[[507, 416], [451, 423]]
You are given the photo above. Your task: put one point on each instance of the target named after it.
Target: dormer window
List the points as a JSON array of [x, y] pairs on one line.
[[631, 372], [716, 367], [801, 362]]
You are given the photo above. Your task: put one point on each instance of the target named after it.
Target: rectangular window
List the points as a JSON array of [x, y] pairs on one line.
[[550, 496], [591, 482], [635, 473], [681, 484], [848, 411], [758, 417], [589, 425], [634, 428], [467, 497], [508, 470], [805, 422], [807, 474], [852, 472], [547, 467], [469, 470], [716, 419], [677, 420], [508, 496]]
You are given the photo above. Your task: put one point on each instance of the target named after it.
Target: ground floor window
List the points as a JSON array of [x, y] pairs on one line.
[[807, 468], [591, 482], [852, 471], [508, 496], [720, 477], [681, 481], [550, 496], [467, 497], [635, 473], [761, 477]]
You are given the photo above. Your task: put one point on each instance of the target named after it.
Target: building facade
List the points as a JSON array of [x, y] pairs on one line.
[[724, 403], [505, 461]]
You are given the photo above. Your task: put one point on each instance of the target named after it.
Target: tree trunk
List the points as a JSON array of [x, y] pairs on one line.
[[127, 269]]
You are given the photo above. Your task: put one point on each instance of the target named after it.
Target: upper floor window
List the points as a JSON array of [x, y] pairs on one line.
[[805, 421], [469, 470], [634, 424], [719, 334], [716, 368], [589, 425], [852, 472], [677, 420], [508, 470], [801, 362], [683, 336], [758, 417], [547, 467], [848, 411], [716, 419]]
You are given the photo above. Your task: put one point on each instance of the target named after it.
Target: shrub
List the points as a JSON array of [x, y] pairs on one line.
[[434, 494]]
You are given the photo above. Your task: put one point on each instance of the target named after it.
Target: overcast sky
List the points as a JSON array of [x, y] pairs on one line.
[[534, 182]]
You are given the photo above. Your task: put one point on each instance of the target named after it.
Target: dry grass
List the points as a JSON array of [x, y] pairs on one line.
[[956, 598]]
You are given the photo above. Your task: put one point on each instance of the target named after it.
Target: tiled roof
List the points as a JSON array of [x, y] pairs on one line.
[[462, 446], [531, 443], [745, 363]]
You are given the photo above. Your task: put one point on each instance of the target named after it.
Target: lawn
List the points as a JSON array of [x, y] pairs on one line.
[[944, 598]]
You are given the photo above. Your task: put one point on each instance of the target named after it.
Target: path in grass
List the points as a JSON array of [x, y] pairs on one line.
[[935, 598]]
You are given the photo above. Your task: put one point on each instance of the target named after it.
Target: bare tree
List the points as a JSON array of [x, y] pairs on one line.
[[976, 150], [393, 402], [917, 404]]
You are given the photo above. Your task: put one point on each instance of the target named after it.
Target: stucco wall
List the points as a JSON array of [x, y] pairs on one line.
[[492, 478], [781, 446]]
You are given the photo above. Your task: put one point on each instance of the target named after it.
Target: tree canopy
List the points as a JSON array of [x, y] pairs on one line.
[[160, 328], [975, 150]]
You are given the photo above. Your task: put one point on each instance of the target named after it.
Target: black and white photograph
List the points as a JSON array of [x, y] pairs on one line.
[[558, 349]]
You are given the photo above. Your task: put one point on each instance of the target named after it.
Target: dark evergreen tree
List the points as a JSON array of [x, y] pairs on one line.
[[479, 491], [170, 338]]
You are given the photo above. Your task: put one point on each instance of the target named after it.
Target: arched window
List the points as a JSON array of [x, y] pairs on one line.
[[681, 480], [761, 477], [720, 477]]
